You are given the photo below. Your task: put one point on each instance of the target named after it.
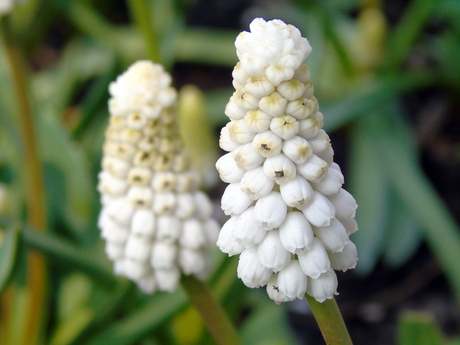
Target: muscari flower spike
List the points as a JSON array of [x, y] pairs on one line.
[[290, 217], [155, 221]]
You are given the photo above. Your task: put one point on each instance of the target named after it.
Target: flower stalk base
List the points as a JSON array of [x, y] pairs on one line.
[[330, 321], [210, 311]]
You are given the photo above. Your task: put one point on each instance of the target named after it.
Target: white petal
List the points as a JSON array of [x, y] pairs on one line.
[[192, 235], [143, 223], [247, 230], [169, 228], [259, 86], [163, 255], [240, 132], [226, 242], [291, 89], [325, 287], [296, 232], [301, 109], [270, 211], [319, 211], [225, 142], [250, 271], [267, 143], [314, 260], [228, 170], [271, 253], [257, 121], [292, 281], [274, 104], [279, 168], [168, 280], [297, 149], [246, 157], [234, 200], [314, 169], [332, 182], [185, 205], [334, 236], [296, 192], [285, 127], [138, 247], [256, 184], [193, 261], [244, 100], [346, 259], [345, 204]]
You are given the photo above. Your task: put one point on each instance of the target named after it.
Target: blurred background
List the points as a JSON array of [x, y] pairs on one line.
[[387, 77]]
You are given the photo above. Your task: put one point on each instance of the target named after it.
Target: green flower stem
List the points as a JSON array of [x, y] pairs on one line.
[[210, 310], [36, 212], [140, 12], [330, 321]]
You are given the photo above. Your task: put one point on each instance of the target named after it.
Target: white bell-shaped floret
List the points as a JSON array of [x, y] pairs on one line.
[[234, 200], [250, 271], [271, 253], [270, 211], [314, 260], [296, 232], [324, 287]]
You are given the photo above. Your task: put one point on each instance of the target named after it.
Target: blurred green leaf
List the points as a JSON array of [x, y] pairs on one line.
[[370, 186], [365, 97], [63, 251], [416, 327], [416, 192], [404, 235], [407, 31], [142, 321], [267, 325], [207, 46], [9, 240]]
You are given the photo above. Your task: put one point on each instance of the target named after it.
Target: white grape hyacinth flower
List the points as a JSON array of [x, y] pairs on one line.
[[290, 217], [155, 221]]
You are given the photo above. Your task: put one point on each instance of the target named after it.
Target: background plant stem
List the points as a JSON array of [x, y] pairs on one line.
[[140, 12], [36, 212], [330, 321], [210, 310]]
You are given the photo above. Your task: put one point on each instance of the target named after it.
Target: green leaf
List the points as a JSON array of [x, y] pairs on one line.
[[65, 252], [365, 97], [416, 327], [420, 198], [142, 321], [8, 253], [407, 31], [370, 186], [267, 325], [404, 235]]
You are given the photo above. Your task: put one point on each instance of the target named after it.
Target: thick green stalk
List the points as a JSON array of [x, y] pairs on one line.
[[36, 211], [140, 12], [210, 310], [330, 321]]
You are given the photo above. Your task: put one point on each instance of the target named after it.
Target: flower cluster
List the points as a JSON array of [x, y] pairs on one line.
[[290, 217], [154, 220]]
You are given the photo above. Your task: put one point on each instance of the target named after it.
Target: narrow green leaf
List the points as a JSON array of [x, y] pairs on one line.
[[370, 186], [8, 251], [407, 31], [404, 235], [65, 252], [416, 327], [142, 321], [267, 325], [207, 46], [416, 192], [370, 95]]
